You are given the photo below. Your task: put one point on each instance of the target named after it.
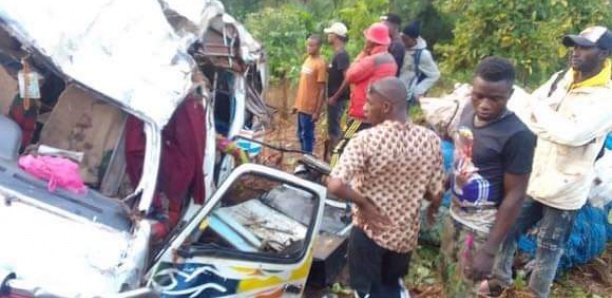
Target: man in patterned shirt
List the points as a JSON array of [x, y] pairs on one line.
[[385, 171]]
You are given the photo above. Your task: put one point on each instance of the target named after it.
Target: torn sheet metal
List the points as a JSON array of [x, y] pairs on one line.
[[199, 16], [125, 50], [59, 253]]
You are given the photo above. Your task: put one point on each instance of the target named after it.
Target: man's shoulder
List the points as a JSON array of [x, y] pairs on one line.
[[341, 53], [429, 135], [513, 127]]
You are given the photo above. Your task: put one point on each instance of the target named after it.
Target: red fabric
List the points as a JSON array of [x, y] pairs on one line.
[[365, 71], [26, 119], [135, 142], [182, 156], [183, 152]]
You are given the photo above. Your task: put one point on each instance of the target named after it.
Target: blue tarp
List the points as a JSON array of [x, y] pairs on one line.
[[587, 241]]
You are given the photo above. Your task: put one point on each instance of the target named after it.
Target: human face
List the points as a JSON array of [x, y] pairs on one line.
[[377, 108], [312, 46], [409, 42], [393, 29], [586, 59], [330, 38], [489, 99]]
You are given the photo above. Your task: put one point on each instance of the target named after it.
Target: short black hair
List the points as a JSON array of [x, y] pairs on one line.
[[394, 19], [496, 69], [316, 37]]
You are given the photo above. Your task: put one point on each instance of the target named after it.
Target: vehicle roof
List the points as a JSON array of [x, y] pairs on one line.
[[125, 50]]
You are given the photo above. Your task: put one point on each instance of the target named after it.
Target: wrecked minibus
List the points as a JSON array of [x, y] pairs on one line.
[[73, 74]]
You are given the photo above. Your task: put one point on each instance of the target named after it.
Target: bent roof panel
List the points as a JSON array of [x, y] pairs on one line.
[[125, 50]]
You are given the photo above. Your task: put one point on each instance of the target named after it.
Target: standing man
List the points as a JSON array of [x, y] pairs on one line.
[[337, 90], [373, 63], [571, 115], [419, 71], [310, 94], [396, 48], [384, 172], [493, 159]]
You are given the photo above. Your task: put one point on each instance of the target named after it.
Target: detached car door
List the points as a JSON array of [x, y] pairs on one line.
[[253, 238]]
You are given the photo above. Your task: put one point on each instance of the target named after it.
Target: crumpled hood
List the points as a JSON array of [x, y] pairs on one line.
[[59, 253]]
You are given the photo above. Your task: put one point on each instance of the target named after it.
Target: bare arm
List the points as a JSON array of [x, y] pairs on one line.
[[351, 163], [334, 98], [373, 217], [344, 191], [515, 187], [320, 101]]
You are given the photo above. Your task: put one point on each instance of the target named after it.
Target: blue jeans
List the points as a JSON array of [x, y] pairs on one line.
[[554, 231], [306, 133]]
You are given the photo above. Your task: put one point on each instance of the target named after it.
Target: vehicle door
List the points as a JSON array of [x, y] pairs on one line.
[[253, 238]]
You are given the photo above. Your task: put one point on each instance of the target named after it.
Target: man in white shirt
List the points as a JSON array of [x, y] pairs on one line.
[[418, 71], [571, 115]]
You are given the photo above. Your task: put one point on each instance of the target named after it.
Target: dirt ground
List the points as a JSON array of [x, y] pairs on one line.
[[593, 280]]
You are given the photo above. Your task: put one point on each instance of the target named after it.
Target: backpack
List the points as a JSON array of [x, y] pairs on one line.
[[553, 87], [418, 75]]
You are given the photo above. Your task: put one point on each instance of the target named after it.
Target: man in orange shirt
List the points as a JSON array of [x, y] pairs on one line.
[[311, 93]]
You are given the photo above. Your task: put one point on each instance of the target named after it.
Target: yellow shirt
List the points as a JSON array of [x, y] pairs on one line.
[[571, 125], [312, 81], [601, 79]]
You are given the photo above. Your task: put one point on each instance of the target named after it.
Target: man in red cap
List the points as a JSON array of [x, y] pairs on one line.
[[372, 64]]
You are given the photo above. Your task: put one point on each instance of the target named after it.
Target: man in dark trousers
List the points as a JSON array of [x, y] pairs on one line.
[[493, 161], [372, 64], [337, 88], [396, 48], [385, 171], [571, 115]]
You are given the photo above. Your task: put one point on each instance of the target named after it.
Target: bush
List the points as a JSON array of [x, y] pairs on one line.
[[527, 32], [283, 32]]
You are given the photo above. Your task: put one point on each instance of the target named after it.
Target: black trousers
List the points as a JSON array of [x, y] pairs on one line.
[[374, 270]]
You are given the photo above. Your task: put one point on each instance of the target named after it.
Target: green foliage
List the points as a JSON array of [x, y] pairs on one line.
[[527, 32], [283, 32], [283, 28], [359, 15], [241, 8], [424, 265]]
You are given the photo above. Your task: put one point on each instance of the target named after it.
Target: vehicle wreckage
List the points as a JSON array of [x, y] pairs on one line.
[[80, 69]]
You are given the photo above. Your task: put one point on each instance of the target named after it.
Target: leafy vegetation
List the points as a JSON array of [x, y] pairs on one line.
[[527, 32], [283, 28], [460, 32]]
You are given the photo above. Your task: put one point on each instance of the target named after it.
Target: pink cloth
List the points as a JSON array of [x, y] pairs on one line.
[[59, 171]]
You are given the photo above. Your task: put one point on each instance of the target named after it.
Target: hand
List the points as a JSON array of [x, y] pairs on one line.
[[432, 213], [293, 111], [461, 178], [373, 218], [479, 266], [315, 117], [332, 101]]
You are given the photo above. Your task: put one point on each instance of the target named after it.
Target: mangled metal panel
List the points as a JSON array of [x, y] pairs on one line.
[[125, 50], [196, 17]]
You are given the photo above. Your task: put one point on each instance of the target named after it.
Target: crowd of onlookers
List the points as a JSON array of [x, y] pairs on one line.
[[512, 168]]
